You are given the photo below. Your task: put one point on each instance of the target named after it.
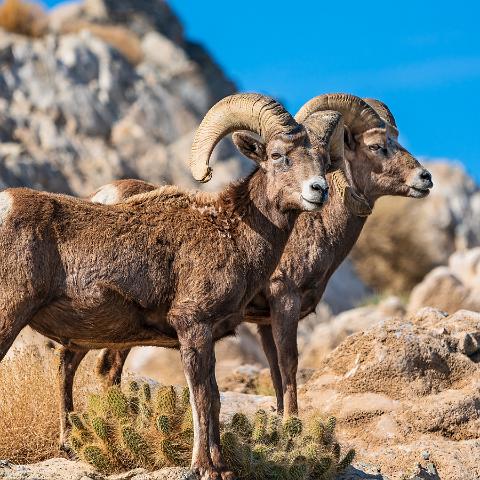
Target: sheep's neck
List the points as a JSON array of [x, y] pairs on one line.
[[259, 220], [356, 204], [335, 230]]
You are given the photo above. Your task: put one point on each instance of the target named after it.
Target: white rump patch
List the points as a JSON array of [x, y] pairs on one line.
[[107, 195], [6, 202]]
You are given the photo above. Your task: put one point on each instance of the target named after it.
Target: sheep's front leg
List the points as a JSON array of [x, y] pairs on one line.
[[270, 349], [110, 366], [196, 350], [285, 313], [214, 433], [68, 363]]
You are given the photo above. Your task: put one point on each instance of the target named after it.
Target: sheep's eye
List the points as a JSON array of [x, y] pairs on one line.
[[276, 156], [375, 147]]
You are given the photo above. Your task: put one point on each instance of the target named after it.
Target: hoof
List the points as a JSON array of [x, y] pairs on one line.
[[65, 448], [209, 473], [228, 475]]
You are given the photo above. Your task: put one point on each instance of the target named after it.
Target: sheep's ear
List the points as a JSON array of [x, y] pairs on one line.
[[348, 139], [250, 146]]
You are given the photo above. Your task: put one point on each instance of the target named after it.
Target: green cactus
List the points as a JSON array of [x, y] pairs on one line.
[[346, 461], [76, 421], [241, 425], [185, 397], [229, 447], [274, 430], [336, 452], [100, 428], [163, 424], [166, 400], [171, 452], [134, 404], [134, 442], [133, 387], [76, 443], [260, 420], [96, 404], [96, 457], [321, 467], [148, 429], [117, 403], [298, 471], [329, 429], [146, 392], [293, 427]]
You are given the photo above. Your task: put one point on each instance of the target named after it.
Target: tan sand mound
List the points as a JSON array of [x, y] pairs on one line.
[[405, 387]]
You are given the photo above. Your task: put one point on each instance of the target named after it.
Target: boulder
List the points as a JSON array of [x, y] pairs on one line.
[[114, 90], [328, 334], [404, 387], [453, 287]]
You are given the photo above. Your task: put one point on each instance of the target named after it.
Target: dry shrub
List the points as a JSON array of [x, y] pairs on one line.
[[122, 39], [29, 419], [391, 255], [23, 18]]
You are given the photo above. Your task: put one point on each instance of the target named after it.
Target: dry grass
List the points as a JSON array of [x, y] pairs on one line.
[[23, 18], [122, 39], [29, 404]]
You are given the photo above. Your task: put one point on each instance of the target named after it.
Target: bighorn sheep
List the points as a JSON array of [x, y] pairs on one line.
[[375, 165], [166, 268]]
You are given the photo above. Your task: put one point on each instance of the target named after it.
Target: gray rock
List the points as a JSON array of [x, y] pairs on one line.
[[75, 114]]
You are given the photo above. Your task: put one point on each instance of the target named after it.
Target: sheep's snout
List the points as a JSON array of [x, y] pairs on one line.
[[420, 183], [314, 193]]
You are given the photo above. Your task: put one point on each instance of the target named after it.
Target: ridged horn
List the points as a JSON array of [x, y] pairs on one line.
[[357, 114], [382, 110], [245, 111], [328, 126], [384, 113]]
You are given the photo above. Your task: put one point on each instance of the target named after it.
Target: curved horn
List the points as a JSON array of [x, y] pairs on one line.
[[357, 114], [328, 126], [244, 111], [382, 110]]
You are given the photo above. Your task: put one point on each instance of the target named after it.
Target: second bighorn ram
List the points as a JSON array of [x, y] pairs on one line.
[[168, 267], [375, 165]]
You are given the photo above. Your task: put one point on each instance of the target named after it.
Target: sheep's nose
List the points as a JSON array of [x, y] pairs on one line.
[[317, 186], [426, 176], [316, 190]]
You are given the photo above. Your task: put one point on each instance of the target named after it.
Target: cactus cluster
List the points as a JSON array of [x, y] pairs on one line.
[[152, 429], [122, 430], [267, 448]]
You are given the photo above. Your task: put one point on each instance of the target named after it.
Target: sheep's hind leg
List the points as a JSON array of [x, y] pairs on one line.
[[196, 350], [69, 360], [285, 316], [270, 349], [11, 324], [110, 366]]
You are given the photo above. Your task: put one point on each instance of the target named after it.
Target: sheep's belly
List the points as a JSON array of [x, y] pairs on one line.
[[109, 325]]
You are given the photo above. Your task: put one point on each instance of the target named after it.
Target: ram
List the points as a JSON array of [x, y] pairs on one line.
[[375, 164], [167, 267]]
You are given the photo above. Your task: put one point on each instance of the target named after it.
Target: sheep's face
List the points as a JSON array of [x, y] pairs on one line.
[[295, 168], [381, 166]]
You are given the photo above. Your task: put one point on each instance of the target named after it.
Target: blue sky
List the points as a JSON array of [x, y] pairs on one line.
[[421, 57]]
